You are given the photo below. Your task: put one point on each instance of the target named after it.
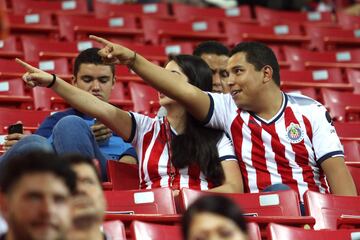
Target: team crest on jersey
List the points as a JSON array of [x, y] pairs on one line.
[[294, 133]]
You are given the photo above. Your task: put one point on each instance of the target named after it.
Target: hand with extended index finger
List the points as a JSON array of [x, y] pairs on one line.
[[33, 76], [114, 53]]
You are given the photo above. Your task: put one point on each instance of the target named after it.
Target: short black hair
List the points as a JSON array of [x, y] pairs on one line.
[[35, 162], [75, 159], [259, 55], [90, 56], [215, 204], [211, 47]]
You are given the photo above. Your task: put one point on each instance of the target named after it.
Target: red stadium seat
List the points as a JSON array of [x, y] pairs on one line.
[[348, 130], [267, 16], [157, 10], [354, 169], [145, 98], [143, 230], [347, 21], [47, 99], [343, 106], [115, 230], [327, 208], [325, 38], [123, 176], [279, 232], [30, 6], [286, 33], [300, 59], [77, 27], [9, 49], [318, 78], [353, 77], [310, 92], [351, 151]]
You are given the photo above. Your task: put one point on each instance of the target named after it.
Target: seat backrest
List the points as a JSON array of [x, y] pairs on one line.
[[351, 151], [118, 92], [326, 208], [43, 100], [12, 87], [253, 231], [354, 169], [123, 176], [348, 130], [310, 92], [280, 232], [31, 19], [143, 230], [280, 203], [151, 201], [347, 21], [353, 77], [8, 44], [331, 75], [29, 6], [142, 95], [115, 230]]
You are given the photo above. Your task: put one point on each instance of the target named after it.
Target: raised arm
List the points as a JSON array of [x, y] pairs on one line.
[[171, 84], [116, 119]]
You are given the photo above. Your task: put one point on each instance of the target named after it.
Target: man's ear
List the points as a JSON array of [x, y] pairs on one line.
[[113, 82], [268, 73], [3, 205], [73, 80]]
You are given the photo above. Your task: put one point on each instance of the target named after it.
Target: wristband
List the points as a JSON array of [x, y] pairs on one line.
[[132, 61], [52, 82]]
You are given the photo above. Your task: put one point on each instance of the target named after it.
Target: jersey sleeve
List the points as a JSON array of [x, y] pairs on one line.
[[226, 149], [326, 142], [141, 124], [221, 107]]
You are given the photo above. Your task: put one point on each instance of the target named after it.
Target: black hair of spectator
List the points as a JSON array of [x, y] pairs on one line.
[[197, 144], [36, 162], [259, 55], [215, 204], [75, 159], [211, 47], [90, 56]]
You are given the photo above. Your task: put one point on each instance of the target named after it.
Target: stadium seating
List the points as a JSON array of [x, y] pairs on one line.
[[347, 21], [9, 49], [348, 130], [30, 6], [123, 176], [145, 98], [353, 77], [327, 208], [351, 151], [354, 169], [142, 230], [115, 230], [279, 232]]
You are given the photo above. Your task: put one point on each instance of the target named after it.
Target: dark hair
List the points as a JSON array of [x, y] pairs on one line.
[[90, 56], [216, 204], [35, 162], [211, 47], [198, 144], [259, 55], [75, 159]]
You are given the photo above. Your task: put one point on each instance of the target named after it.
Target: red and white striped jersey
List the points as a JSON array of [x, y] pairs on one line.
[[150, 139], [285, 149]]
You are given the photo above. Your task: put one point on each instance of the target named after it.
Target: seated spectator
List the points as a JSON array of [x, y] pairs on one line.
[[214, 217], [174, 150], [89, 203], [35, 197], [71, 131], [216, 55]]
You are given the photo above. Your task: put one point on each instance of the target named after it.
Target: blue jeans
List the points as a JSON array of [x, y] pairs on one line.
[[283, 187], [70, 135]]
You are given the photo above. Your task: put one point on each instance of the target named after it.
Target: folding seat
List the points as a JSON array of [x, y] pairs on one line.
[[47, 99], [353, 76], [34, 23], [351, 151], [185, 13], [123, 176], [319, 78], [9, 49], [145, 98], [161, 31], [280, 232], [13, 94], [301, 59], [347, 21], [31, 119], [119, 99], [157, 10], [327, 208], [354, 169], [115, 230], [30, 6], [142, 230], [11, 69], [74, 27], [286, 33], [348, 130], [331, 38], [343, 106], [267, 16], [308, 91]]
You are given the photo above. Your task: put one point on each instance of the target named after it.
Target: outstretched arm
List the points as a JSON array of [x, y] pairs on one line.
[[118, 120], [171, 84]]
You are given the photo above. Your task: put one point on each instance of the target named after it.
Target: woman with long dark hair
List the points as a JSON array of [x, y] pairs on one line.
[[174, 150]]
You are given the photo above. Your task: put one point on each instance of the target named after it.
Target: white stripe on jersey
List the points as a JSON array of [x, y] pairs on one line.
[[203, 184], [162, 168], [184, 178]]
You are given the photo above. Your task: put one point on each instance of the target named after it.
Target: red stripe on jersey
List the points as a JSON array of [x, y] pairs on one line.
[[194, 170], [236, 133], [282, 163], [146, 142], [301, 154], [258, 155]]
